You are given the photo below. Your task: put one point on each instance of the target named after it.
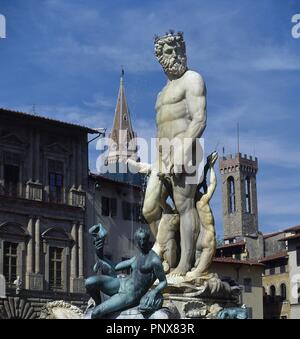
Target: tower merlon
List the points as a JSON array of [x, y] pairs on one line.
[[233, 162]]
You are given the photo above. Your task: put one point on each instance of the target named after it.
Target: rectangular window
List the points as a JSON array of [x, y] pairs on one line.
[[109, 207], [11, 179], [113, 207], [138, 212], [105, 206], [282, 269], [250, 312], [272, 270], [248, 195], [132, 211], [298, 256], [126, 210], [10, 262], [248, 285], [55, 274], [55, 169]]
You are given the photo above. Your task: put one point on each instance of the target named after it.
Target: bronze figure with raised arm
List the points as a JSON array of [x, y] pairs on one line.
[[132, 290]]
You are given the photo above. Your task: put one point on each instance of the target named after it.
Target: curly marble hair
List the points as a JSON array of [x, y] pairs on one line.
[[168, 38]]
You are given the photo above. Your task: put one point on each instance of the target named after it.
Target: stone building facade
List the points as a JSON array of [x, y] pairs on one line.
[[291, 240], [117, 206], [276, 286], [248, 275], [43, 182]]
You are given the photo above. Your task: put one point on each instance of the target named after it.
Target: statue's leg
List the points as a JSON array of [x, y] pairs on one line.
[[116, 303], [171, 253], [199, 245], [101, 283], [152, 209], [189, 224], [207, 245], [165, 245], [202, 264]]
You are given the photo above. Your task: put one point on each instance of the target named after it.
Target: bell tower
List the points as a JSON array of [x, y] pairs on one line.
[[239, 195], [123, 145]]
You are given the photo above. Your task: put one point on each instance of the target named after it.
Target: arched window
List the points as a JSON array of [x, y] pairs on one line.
[[248, 194], [283, 292], [272, 294], [231, 195]]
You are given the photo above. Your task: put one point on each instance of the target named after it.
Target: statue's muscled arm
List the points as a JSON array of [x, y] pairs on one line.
[[124, 264], [212, 186], [160, 275], [195, 98]]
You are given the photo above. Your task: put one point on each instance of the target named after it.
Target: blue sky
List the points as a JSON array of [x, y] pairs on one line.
[[64, 57]]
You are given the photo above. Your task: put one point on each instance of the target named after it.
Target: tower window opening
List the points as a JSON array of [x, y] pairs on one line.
[[231, 195], [248, 194]]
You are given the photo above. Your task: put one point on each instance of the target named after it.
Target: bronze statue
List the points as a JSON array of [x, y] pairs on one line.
[[132, 290]]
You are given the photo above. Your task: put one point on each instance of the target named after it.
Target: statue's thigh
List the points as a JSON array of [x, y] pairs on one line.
[[153, 192], [117, 302], [108, 285]]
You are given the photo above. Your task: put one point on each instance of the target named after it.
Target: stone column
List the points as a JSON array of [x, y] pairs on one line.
[[29, 261], [37, 245], [80, 254], [74, 252]]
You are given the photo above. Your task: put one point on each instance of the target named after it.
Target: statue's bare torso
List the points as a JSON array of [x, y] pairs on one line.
[[173, 116]]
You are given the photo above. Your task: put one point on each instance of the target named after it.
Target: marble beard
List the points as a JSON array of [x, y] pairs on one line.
[[184, 232]]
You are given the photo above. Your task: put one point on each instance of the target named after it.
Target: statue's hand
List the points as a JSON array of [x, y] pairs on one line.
[[99, 244], [212, 158], [150, 299]]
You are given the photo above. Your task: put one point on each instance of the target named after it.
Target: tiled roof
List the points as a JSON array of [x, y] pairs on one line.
[[235, 244], [227, 260], [291, 237], [270, 235], [294, 228], [40, 118], [275, 256], [117, 182]]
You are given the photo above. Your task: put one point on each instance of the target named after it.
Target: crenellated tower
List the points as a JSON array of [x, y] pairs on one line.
[[240, 212]]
